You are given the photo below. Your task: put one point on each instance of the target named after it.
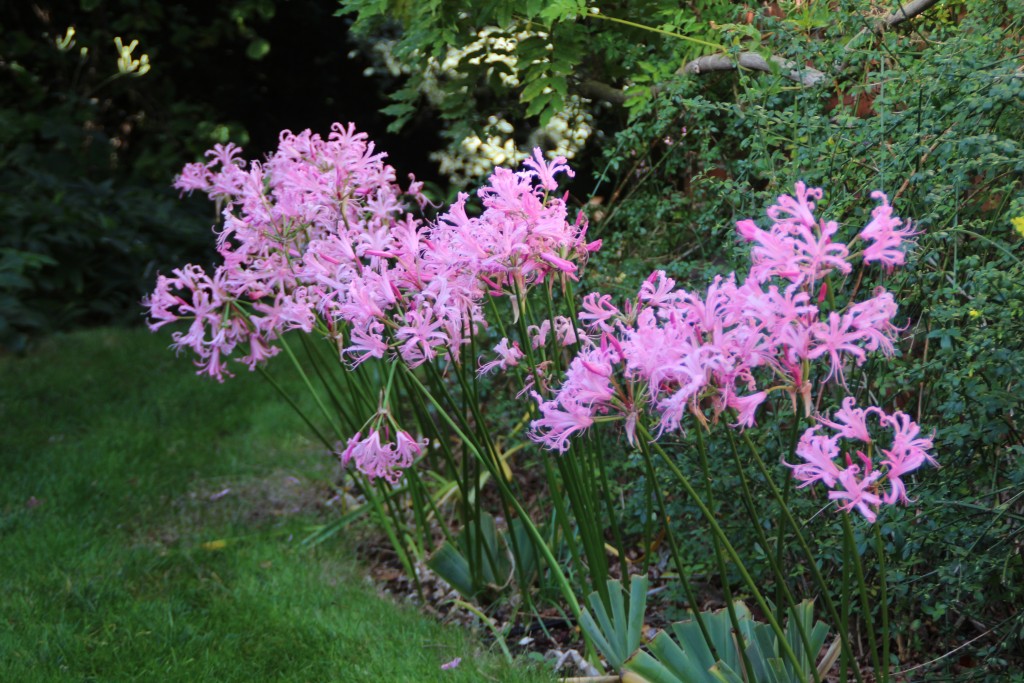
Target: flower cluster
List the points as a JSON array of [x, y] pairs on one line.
[[860, 484], [382, 460], [308, 191], [319, 233], [320, 236], [672, 353]]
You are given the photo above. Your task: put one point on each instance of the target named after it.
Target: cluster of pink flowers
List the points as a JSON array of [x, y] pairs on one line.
[[320, 236], [672, 353], [382, 460], [319, 233], [308, 191], [859, 484]]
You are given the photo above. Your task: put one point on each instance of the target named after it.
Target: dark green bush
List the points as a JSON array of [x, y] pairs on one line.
[[940, 129]]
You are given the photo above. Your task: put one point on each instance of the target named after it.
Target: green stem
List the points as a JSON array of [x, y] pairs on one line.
[[662, 31], [882, 580], [729, 549], [691, 595], [295, 406], [862, 589], [309, 386], [563, 583], [841, 625], [720, 559], [780, 577], [610, 505], [844, 625]]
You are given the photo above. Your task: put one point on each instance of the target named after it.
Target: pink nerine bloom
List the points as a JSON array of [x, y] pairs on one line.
[[885, 235], [382, 460], [508, 356], [851, 422], [861, 487], [561, 418], [819, 454], [858, 492]]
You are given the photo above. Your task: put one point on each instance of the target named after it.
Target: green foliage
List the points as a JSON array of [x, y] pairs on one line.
[[488, 574], [552, 50], [930, 113], [89, 148], [619, 626], [690, 658]]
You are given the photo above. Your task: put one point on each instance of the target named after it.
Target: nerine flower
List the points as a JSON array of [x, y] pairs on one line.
[[861, 484], [683, 353], [885, 235], [377, 459], [320, 231]]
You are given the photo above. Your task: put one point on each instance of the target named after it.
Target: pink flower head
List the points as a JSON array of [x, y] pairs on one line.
[[598, 311], [885, 235], [545, 171], [859, 486], [819, 454], [909, 451], [508, 356], [851, 422], [798, 209], [382, 460], [858, 492], [746, 407], [658, 289], [561, 418], [796, 247], [836, 339]]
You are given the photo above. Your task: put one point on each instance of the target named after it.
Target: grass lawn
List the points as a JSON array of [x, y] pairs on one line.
[[150, 528]]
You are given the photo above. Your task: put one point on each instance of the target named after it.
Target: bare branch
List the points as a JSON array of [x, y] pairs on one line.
[[907, 11], [804, 75], [596, 90]]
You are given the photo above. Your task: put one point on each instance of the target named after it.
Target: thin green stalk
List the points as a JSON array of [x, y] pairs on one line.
[[495, 468], [844, 625], [419, 507], [882, 580], [780, 544], [331, 383], [811, 559], [862, 588], [648, 522], [729, 549], [499, 637], [723, 570], [386, 522], [691, 595], [587, 519], [424, 420], [671, 34], [563, 583], [562, 516], [309, 386], [295, 406], [787, 487], [610, 505], [780, 577]]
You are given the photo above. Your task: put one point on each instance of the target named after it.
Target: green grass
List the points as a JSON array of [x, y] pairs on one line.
[[110, 451]]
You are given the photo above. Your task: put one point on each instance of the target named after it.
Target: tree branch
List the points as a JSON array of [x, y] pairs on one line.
[[596, 90], [907, 11], [804, 75]]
